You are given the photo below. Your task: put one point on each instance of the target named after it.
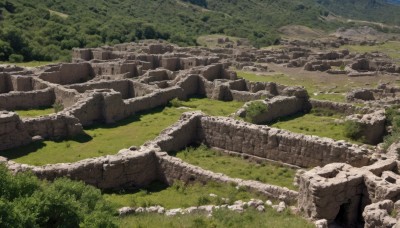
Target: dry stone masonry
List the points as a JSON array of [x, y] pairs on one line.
[[345, 185]]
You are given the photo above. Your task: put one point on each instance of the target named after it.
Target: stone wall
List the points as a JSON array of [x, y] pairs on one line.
[[66, 97], [108, 106], [279, 145], [55, 126], [380, 214], [4, 83], [339, 192], [68, 73], [343, 108], [152, 100], [128, 69], [180, 135], [278, 107], [125, 87], [260, 141], [12, 132], [20, 83], [128, 169], [373, 126], [173, 169], [88, 109], [27, 100]]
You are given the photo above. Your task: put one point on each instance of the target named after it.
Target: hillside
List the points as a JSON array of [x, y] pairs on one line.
[[370, 10], [48, 29], [394, 1]]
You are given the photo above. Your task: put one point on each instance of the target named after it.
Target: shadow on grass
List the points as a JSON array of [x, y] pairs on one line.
[[154, 187], [286, 118], [40, 108], [35, 146]]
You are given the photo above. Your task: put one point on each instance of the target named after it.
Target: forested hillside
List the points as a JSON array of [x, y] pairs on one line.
[[48, 29]]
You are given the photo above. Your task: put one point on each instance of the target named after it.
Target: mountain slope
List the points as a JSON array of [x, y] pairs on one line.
[[370, 10], [394, 1], [48, 29]]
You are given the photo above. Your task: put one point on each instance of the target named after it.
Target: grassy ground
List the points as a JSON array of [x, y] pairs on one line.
[[35, 112], [313, 87], [29, 64], [220, 219], [391, 48], [237, 167], [179, 195], [319, 85], [315, 123], [183, 196], [103, 139]]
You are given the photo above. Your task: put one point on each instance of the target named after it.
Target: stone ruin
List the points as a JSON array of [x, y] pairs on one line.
[[382, 95], [348, 185]]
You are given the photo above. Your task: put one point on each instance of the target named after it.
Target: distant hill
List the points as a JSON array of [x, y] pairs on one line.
[[394, 1], [48, 29], [370, 10]]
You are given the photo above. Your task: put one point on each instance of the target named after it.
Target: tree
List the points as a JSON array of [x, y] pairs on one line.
[[5, 50]]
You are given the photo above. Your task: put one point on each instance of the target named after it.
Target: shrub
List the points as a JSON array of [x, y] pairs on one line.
[[388, 140], [26, 201], [353, 130], [393, 119], [342, 67], [255, 109], [203, 200], [176, 103], [58, 107], [15, 58]]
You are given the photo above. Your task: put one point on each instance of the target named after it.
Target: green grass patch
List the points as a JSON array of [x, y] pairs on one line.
[[213, 107], [238, 167], [180, 195], [35, 112], [317, 123], [30, 64], [104, 139], [393, 120], [221, 218], [391, 48]]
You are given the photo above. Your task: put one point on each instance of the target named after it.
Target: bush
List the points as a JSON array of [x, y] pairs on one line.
[[26, 201], [342, 67], [176, 103], [393, 120], [58, 107], [15, 58], [255, 109], [388, 140], [353, 130]]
